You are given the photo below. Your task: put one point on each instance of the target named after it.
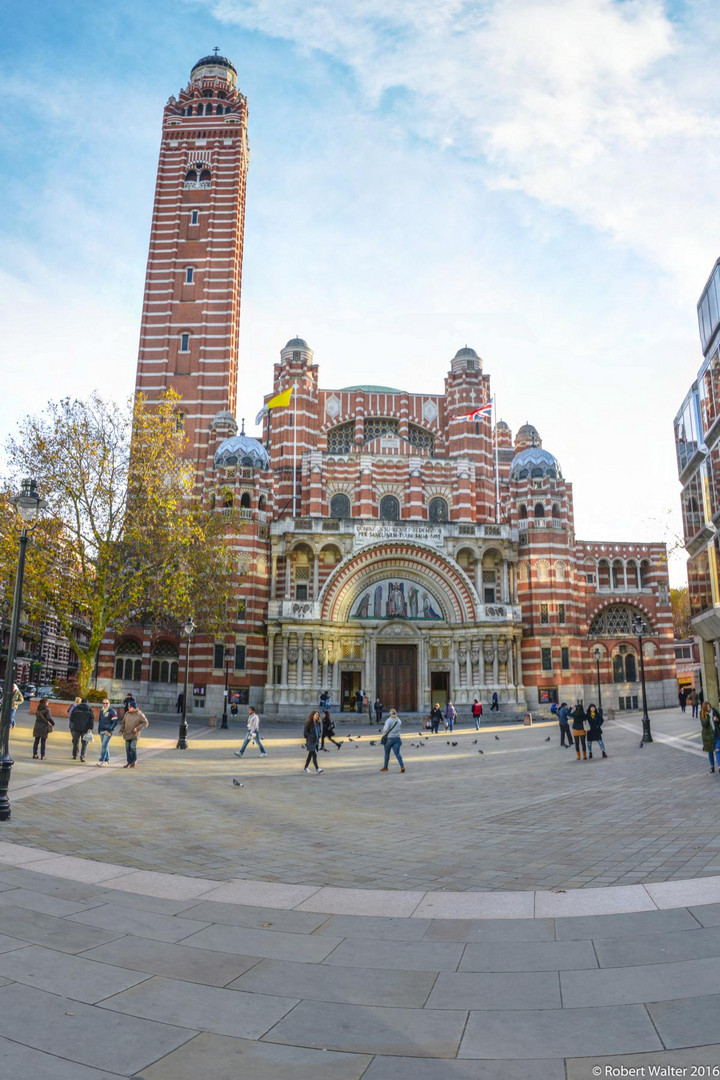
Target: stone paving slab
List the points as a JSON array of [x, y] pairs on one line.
[[218, 1057], [42, 902], [651, 949], [320, 982], [398, 1068], [359, 1029], [529, 956], [405, 955], [690, 1022], [223, 1012], [595, 901], [706, 914], [34, 928], [476, 905], [51, 886], [256, 918], [634, 985], [67, 866], [24, 1063], [138, 922], [496, 990], [626, 926], [84, 1033], [557, 1033], [175, 961], [263, 893], [475, 930], [72, 976], [362, 902], [375, 926], [268, 944], [167, 886]]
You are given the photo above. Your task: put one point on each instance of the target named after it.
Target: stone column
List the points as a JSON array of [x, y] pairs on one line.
[[468, 668], [511, 662], [299, 669], [284, 674], [456, 670], [505, 583], [315, 644], [519, 663], [496, 674], [288, 561], [273, 578], [481, 664], [316, 575], [323, 646], [270, 655]]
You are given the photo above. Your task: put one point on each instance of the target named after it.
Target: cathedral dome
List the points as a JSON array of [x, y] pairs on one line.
[[466, 359], [297, 343], [465, 353], [242, 450], [214, 61], [534, 462]]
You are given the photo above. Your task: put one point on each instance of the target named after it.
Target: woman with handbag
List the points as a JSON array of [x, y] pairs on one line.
[[391, 740], [578, 730], [44, 724], [595, 720], [312, 732]]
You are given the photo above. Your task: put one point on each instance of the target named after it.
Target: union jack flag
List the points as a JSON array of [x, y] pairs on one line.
[[482, 410]]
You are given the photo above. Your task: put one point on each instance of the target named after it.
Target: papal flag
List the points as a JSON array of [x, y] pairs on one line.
[[280, 401]]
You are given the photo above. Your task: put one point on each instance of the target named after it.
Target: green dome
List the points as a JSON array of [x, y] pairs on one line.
[[372, 389]]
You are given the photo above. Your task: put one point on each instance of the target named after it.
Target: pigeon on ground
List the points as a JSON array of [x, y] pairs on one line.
[[641, 745], [498, 738], [372, 743], [548, 739], [448, 743], [236, 783], [454, 744], [481, 751], [474, 742]]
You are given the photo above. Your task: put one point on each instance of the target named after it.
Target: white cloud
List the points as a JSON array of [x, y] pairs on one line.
[[591, 106]]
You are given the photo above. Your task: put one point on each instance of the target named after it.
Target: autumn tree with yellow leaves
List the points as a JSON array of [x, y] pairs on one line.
[[125, 537]]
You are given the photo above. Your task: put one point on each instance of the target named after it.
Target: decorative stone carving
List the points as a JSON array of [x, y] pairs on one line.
[[307, 653], [293, 653], [462, 652], [502, 652], [475, 653]]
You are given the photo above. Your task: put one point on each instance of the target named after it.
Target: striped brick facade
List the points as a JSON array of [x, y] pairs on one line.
[[384, 541]]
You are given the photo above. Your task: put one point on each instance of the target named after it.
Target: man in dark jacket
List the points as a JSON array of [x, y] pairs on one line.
[[563, 715], [81, 722]]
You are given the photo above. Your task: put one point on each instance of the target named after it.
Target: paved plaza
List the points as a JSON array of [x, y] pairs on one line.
[[499, 916]]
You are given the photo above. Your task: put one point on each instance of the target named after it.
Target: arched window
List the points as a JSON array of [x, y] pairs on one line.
[[221, 95], [630, 668], [191, 177], [618, 577], [522, 511], [644, 574], [632, 574], [340, 438], [200, 109], [539, 510], [208, 110], [164, 663], [262, 502], [438, 510], [220, 110], [340, 506], [184, 343], [389, 508], [245, 500], [128, 664], [556, 511], [536, 473], [207, 93], [618, 668], [205, 176], [189, 275]]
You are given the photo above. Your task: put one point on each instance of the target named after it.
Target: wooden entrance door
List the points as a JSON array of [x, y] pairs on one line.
[[397, 677]]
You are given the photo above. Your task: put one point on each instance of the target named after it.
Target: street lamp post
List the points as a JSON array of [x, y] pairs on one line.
[[597, 654], [28, 504], [188, 631], [228, 658], [640, 628]]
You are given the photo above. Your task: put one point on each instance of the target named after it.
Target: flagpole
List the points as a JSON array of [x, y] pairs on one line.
[[294, 496], [497, 471]]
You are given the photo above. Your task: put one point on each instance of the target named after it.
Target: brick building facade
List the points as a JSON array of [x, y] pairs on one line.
[[385, 542]]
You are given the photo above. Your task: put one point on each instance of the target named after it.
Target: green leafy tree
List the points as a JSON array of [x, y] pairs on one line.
[[125, 537]]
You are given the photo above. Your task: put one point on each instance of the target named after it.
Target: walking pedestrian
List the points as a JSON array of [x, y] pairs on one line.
[[312, 732], [15, 702], [359, 701], [107, 722], [132, 723], [179, 703], [82, 721], [710, 740], [694, 702], [495, 707], [391, 740], [450, 716], [253, 734], [378, 706], [578, 730], [563, 714], [42, 727], [681, 699], [126, 703], [328, 730], [595, 722], [436, 718], [477, 713]]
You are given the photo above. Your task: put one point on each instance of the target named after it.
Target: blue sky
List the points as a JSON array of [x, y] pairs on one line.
[[535, 178]]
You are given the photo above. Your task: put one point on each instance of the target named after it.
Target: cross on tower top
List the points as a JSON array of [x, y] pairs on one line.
[[216, 50]]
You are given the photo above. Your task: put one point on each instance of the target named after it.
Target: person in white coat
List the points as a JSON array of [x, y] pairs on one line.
[[253, 734]]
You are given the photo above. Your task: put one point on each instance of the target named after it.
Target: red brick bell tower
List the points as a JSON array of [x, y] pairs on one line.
[[191, 306]]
